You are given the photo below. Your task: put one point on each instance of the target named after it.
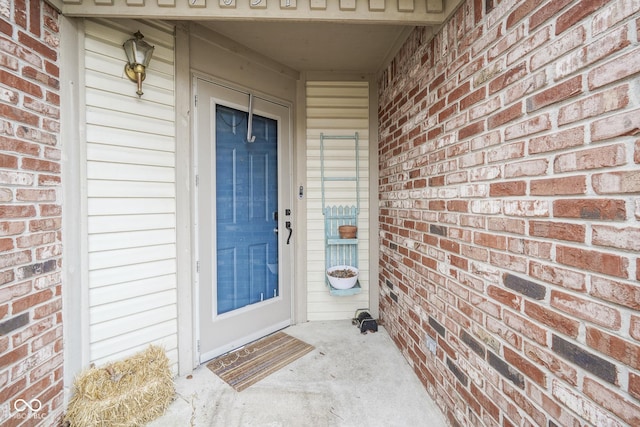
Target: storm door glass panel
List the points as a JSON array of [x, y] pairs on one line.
[[246, 210]]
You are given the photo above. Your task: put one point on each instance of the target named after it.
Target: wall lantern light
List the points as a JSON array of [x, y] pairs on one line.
[[138, 57]]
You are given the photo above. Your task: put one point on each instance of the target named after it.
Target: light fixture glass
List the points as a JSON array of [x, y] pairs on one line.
[[139, 54]]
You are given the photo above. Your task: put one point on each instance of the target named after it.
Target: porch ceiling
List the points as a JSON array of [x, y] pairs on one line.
[[305, 35], [317, 46]]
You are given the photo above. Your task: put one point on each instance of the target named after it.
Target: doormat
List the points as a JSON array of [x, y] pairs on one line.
[[248, 365]]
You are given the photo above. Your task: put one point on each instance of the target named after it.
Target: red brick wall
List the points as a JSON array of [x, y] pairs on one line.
[[509, 206], [30, 215]]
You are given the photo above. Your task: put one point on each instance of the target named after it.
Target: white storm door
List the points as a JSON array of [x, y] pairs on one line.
[[244, 218]]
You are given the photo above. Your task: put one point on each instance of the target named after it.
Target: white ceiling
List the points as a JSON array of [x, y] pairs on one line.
[[317, 46]]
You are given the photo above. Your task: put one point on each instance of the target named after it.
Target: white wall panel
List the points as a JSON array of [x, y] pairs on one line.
[[105, 188], [131, 256], [128, 138], [127, 120], [335, 108], [130, 151], [130, 155], [130, 206], [128, 273], [109, 224], [132, 306], [163, 334], [117, 100], [140, 238], [129, 172], [126, 290]]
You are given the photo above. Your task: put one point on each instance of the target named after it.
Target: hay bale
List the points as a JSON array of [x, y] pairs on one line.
[[131, 392]]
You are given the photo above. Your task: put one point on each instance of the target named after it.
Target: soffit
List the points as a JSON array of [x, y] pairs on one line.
[[349, 36], [322, 47]]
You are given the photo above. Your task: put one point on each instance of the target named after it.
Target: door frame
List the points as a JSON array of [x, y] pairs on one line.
[[290, 249]]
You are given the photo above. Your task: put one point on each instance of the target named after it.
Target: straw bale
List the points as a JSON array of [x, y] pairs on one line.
[[127, 393]]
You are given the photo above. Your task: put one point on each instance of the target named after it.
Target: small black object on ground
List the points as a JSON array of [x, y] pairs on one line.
[[364, 321]]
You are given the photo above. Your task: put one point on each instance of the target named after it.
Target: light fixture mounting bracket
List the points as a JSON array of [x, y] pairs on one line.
[[130, 71]]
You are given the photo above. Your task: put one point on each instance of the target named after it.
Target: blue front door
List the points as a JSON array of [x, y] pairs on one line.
[[244, 196], [246, 209]]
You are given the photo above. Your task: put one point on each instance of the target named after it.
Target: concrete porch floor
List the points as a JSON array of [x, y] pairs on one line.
[[349, 379]]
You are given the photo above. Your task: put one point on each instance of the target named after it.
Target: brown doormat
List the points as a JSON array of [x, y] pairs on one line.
[[248, 365]]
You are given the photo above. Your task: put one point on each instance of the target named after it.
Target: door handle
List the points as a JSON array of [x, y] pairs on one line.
[[288, 226]]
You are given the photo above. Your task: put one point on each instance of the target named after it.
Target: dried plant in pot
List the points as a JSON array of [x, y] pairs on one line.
[[342, 276]]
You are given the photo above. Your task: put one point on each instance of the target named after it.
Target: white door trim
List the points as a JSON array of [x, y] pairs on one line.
[[185, 182]]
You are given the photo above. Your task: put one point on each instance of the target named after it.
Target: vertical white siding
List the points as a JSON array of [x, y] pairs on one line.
[[335, 108], [131, 192]]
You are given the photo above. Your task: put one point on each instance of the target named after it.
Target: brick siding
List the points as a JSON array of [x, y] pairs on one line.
[[509, 207], [30, 215]]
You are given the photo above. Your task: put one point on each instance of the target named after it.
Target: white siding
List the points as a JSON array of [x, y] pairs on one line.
[[131, 193], [336, 108]]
